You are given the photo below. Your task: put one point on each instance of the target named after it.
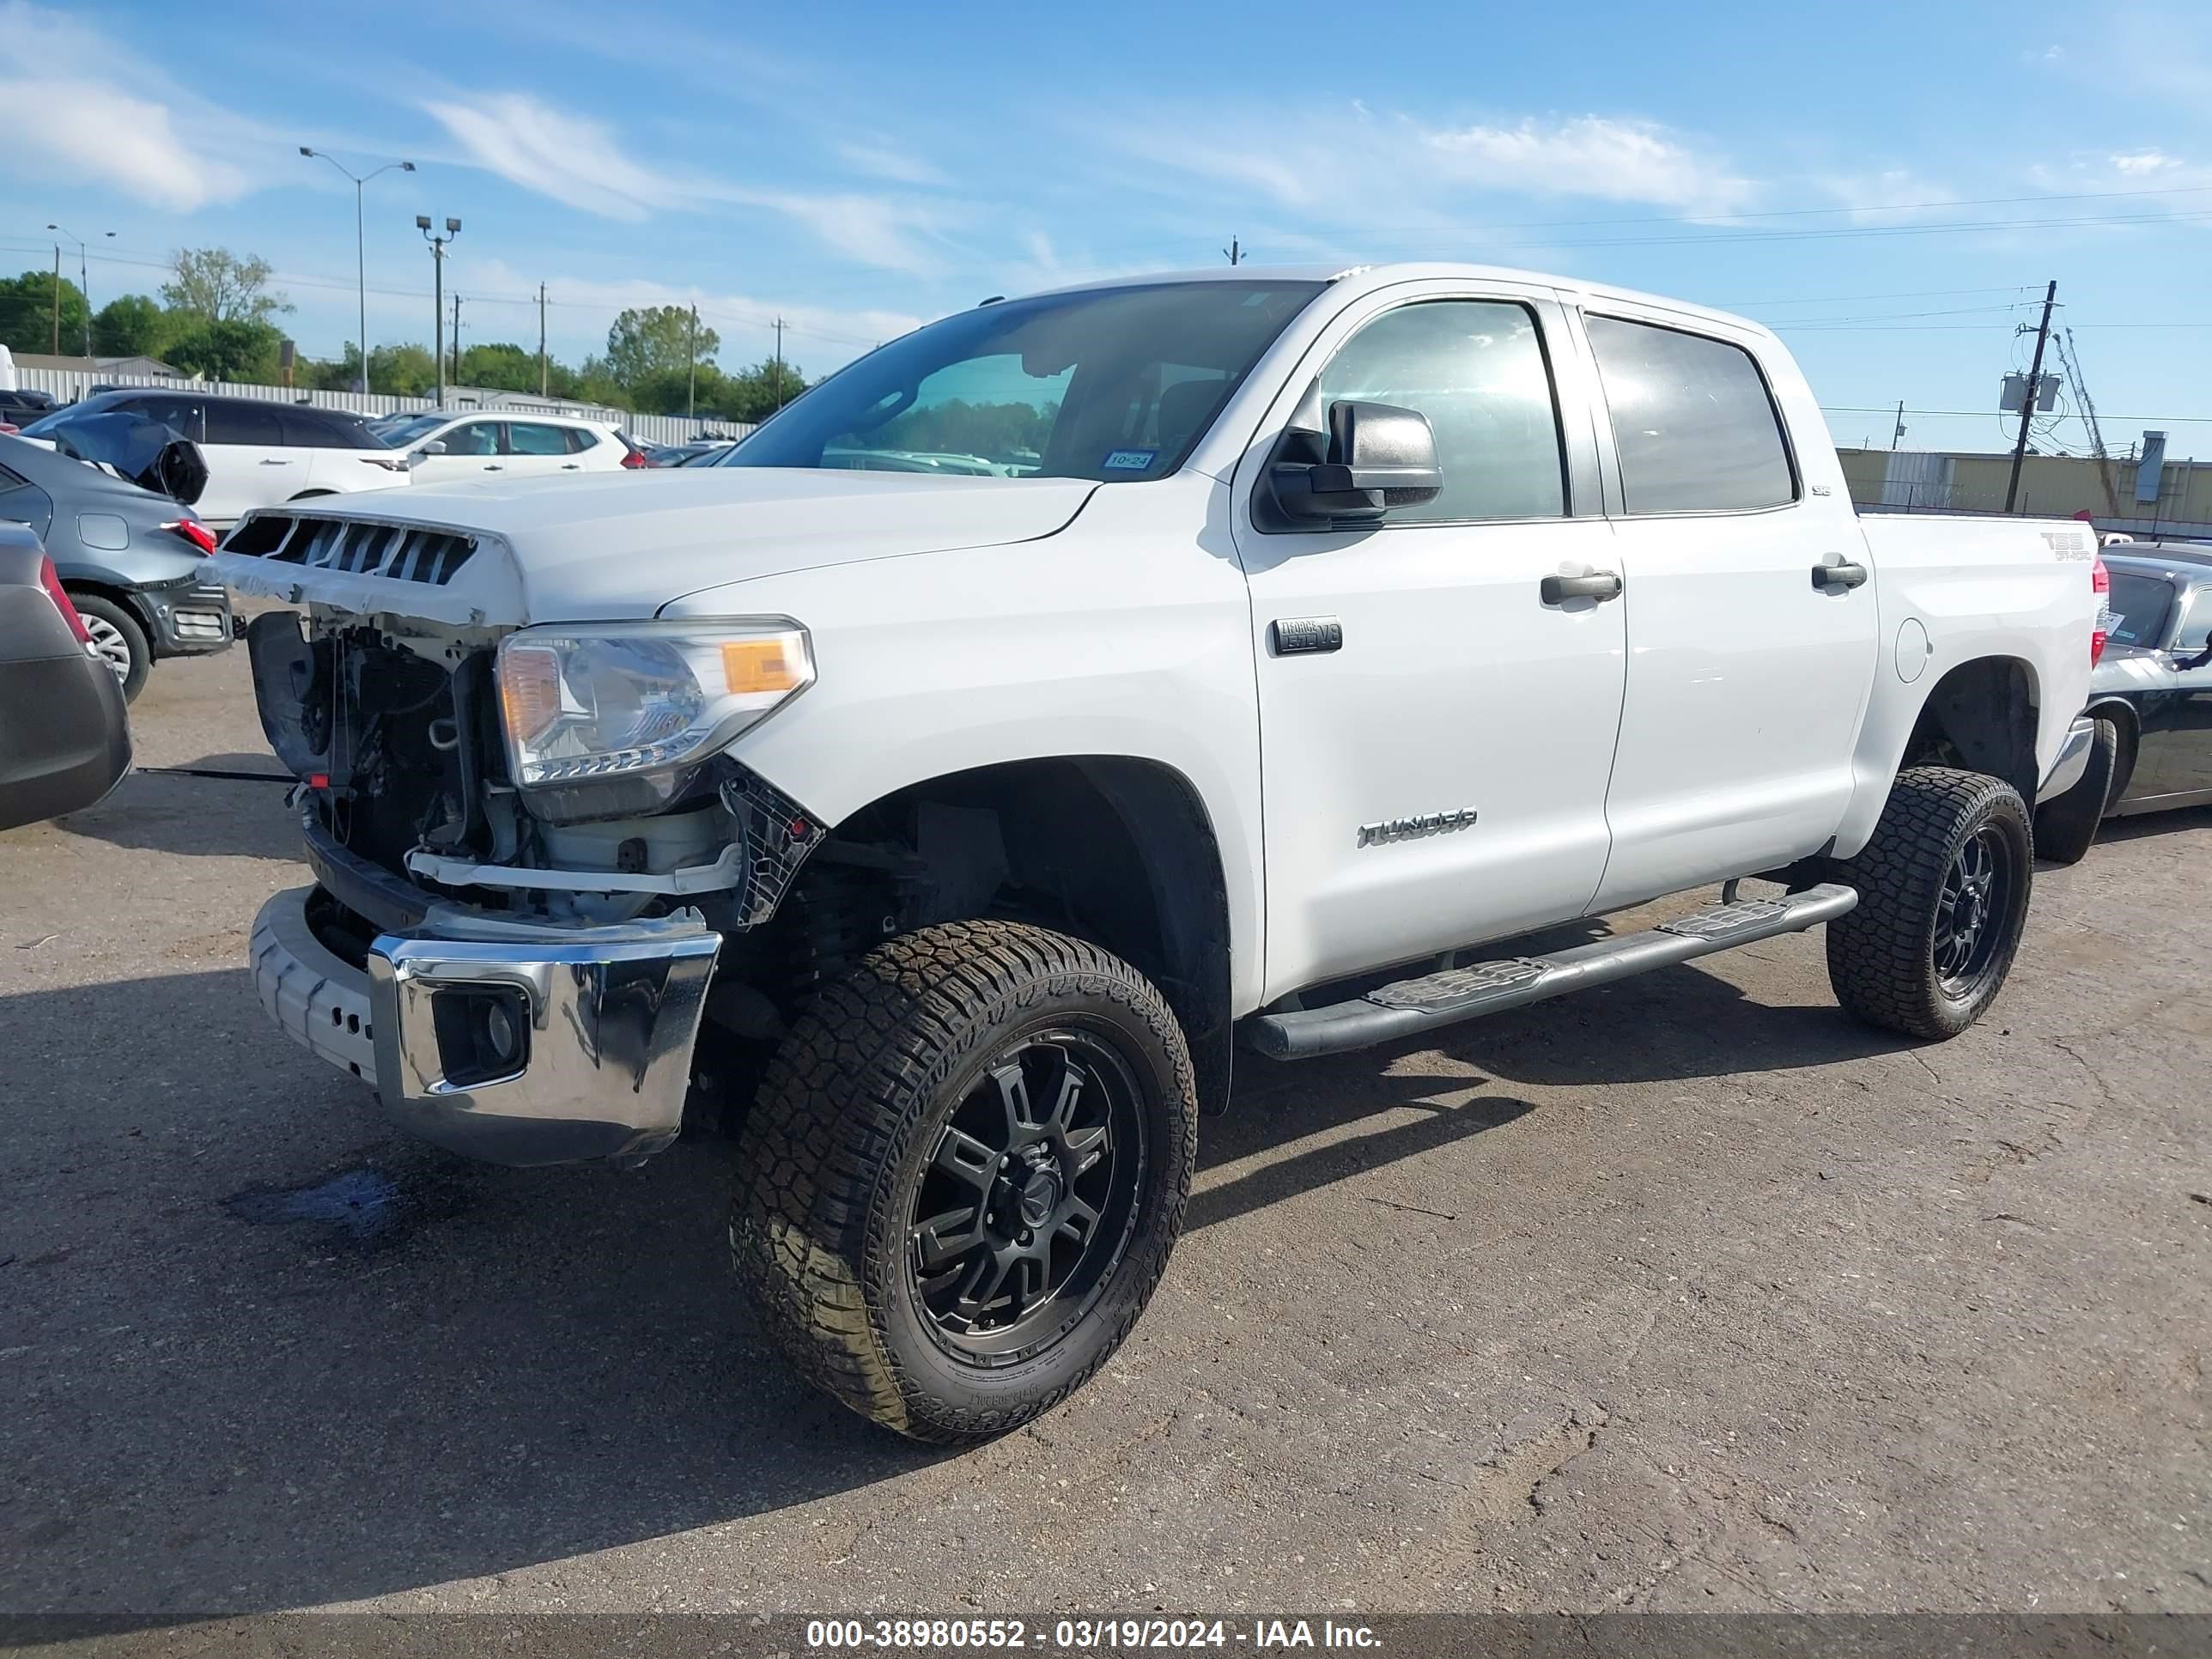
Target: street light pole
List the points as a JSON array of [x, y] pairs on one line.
[[360, 240], [438, 293], [83, 285]]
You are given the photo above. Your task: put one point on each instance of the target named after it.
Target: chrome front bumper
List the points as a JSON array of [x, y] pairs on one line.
[[2073, 760], [518, 1044]]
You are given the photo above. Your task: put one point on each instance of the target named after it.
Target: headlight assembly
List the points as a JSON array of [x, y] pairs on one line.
[[642, 704]]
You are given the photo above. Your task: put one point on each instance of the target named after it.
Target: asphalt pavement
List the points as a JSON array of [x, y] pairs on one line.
[[1688, 1294]]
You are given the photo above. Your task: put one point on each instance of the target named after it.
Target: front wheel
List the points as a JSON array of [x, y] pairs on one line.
[[963, 1174], [1943, 889]]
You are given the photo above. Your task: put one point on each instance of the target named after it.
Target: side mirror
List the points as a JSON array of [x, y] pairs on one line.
[[1379, 457], [435, 446]]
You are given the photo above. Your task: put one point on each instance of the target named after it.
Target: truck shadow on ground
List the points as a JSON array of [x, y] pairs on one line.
[[266, 1355]]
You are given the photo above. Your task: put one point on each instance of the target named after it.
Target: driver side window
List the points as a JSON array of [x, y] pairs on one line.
[[1477, 369]]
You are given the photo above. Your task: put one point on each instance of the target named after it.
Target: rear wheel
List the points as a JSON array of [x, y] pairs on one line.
[[963, 1174], [2065, 828], [1943, 891], [118, 639]]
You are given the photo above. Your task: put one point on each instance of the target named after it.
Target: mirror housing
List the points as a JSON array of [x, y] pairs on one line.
[[1379, 456], [435, 446]]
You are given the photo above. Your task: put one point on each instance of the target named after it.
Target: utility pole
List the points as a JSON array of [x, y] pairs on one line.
[[360, 240], [541, 340], [1898, 436], [1234, 252], [438, 294], [691, 372], [58, 299], [2028, 398], [84, 283], [456, 339], [779, 362]]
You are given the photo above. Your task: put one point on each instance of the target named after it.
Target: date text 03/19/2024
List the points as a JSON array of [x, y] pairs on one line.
[[1086, 1635]]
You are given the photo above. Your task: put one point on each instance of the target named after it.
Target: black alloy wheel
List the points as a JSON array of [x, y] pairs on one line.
[[1976, 895], [1028, 1201]]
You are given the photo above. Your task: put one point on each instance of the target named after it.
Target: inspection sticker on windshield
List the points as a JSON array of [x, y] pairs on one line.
[[1127, 460]]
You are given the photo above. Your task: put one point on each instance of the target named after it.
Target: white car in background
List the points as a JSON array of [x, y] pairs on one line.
[[485, 445], [259, 452]]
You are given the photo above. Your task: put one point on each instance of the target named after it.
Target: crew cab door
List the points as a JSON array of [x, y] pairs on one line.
[[1748, 677], [1436, 737], [2174, 756]]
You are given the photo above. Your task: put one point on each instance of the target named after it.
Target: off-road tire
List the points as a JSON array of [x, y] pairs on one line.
[[844, 1130], [131, 634], [2066, 827], [1881, 956]]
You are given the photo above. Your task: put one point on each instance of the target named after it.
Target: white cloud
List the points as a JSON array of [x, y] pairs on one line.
[[94, 113], [1370, 168], [581, 163], [577, 162], [886, 161], [2145, 162]]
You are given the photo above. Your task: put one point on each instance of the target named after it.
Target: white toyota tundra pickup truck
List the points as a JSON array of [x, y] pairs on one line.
[[936, 794]]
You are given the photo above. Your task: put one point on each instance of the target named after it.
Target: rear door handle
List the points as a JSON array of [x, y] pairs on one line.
[[1598, 585], [494, 466], [272, 462], [1842, 573], [570, 466]]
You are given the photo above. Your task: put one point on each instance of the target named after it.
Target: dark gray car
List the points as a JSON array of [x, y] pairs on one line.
[[133, 560], [64, 740]]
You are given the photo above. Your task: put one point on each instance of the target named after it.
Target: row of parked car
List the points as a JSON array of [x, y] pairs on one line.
[[127, 553]]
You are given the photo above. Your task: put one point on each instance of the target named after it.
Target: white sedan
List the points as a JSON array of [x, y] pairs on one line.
[[444, 447]]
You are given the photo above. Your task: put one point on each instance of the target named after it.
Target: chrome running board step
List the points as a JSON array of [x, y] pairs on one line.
[[1409, 1006]]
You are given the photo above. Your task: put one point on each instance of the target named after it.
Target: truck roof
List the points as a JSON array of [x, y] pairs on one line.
[[1365, 277]]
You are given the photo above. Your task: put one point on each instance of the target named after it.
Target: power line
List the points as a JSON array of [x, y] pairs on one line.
[[1982, 414]]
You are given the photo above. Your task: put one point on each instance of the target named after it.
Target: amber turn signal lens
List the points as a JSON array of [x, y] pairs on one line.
[[529, 691], [762, 665]]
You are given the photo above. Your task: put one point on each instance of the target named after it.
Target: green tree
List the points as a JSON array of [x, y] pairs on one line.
[[234, 350], [217, 286], [497, 364], [131, 327], [757, 392], [400, 371], [656, 339], [27, 312]]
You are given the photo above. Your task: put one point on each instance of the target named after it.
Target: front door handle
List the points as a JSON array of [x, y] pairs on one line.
[[271, 461], [1598, 585], [1842, 573], [493, 466], [570, 466]]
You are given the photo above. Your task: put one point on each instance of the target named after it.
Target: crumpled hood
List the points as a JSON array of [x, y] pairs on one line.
[[616, 545]]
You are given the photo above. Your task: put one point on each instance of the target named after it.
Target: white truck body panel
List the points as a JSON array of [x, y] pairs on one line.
[[1723, 716]]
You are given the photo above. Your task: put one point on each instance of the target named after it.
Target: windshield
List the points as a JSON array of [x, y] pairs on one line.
[[2139, 606], [1111, 384], [409, 433]]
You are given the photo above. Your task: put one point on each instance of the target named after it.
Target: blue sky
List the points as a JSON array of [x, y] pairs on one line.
[[855, 168]]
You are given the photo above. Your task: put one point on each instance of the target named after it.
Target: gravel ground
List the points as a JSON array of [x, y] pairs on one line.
[[1685, 1295]]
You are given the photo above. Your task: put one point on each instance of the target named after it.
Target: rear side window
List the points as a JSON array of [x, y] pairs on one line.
[[1476, 369], [1695, 424], [259, 424], [179, 415], [525, 438], [579, 438], [2140, 606], [9, 480], [326, 428]]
